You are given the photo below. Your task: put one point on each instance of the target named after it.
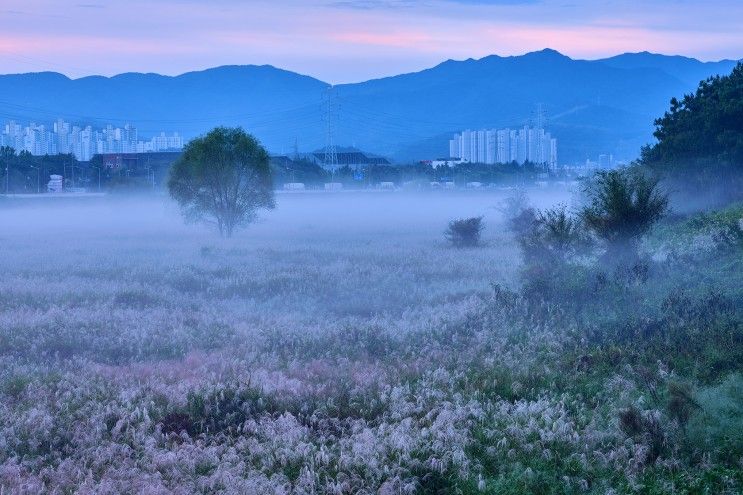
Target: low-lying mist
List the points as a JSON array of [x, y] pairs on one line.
[[296, 214]]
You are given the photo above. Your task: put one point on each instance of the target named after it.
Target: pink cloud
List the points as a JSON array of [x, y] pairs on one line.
[[345, 44]]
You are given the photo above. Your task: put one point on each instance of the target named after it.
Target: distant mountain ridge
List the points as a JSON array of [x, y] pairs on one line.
[[597, 106], [689, 70]]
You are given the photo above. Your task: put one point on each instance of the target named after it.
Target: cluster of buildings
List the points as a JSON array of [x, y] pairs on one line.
[[528, 144], [83, 142]]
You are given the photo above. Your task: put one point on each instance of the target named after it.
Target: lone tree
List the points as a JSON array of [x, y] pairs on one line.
[[623, 205], [222, 178]]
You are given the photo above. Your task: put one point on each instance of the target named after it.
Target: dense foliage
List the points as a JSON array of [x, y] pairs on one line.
[[25, 173], [418, 176], [700, 138], [223, 178], [552, 236], [286, 170]]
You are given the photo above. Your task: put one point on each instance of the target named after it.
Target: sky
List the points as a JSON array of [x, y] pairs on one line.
[[342, 41]]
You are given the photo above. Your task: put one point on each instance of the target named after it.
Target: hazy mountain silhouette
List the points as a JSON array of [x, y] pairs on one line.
[[592, 106], [689, 70], [264, 99]]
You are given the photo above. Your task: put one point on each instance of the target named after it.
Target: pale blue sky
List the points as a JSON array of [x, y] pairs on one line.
[[348, 40]]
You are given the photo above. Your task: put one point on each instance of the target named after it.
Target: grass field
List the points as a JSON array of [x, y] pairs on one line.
[[337, 346]]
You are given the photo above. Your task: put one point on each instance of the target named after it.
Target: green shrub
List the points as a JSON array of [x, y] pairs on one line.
[[623, 205], [465, 232], [553, 236]]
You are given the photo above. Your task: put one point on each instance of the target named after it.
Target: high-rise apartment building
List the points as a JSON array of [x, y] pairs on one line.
[[83, 142], [527, 144]]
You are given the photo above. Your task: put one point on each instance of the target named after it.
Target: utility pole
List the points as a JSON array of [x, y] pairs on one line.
[[99, 178], [331, 154]]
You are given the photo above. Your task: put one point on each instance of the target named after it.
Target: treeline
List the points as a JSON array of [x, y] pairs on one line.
[[700, 140], [25, 173], [313, 175]]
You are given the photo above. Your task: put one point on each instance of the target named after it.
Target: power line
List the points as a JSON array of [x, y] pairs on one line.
[[282, 114]]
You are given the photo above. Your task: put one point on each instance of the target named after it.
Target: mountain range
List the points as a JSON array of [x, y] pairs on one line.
[[592, 107]]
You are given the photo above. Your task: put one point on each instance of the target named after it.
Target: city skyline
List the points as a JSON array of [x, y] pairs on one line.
[[346, 41], [83, 141]]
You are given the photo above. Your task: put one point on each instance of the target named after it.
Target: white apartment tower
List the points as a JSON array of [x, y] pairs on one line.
[[62, 137], [490, 146]]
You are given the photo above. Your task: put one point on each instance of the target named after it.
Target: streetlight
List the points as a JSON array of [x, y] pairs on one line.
[[73, 167], [38, 179], [150, 170], [99, 177]]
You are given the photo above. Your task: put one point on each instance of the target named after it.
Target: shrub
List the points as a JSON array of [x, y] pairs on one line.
[[646, 428], [554, 235], [465, 232], [551, 240], [681, 403], [518, 213], [623, 205]]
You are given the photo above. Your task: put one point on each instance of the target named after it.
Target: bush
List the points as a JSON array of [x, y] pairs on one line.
[[518, 212], [646, 428], [549, 243], [553, 236], [465, 232], [623, 205]]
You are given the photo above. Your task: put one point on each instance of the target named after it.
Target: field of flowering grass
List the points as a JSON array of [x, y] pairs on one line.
[[341, 346]]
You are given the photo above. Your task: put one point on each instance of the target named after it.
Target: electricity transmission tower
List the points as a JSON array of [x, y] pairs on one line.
[[331, 154]]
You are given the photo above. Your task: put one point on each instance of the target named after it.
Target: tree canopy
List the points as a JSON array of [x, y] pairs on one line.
[[702, 134], [222, 178]]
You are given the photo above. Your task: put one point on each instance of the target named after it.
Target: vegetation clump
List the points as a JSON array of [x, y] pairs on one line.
[[465, 232], [623, 205], [555, 236]]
